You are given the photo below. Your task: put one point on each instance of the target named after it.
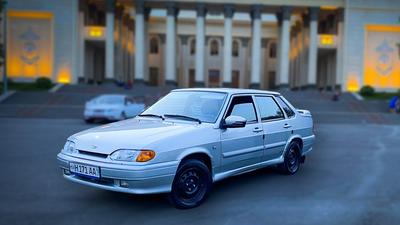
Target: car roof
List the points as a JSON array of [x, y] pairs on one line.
[[231, 91]]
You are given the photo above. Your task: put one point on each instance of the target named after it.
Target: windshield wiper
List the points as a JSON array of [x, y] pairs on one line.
[[151, 115], [182, 117]]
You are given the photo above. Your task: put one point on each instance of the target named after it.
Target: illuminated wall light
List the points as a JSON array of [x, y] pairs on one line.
[[95, 31], [353, 84], [326, 39], [64, 75], [328, 7]]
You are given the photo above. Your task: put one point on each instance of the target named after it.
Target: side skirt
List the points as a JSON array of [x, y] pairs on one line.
[[246, 169]]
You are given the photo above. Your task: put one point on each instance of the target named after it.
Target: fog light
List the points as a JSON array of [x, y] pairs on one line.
[[124, 184], [67, 172]]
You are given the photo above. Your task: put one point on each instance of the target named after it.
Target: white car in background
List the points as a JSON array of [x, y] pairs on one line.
[[112, 107]]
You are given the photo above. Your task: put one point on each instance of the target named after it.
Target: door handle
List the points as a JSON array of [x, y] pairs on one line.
[[257, 129], [287, 126]]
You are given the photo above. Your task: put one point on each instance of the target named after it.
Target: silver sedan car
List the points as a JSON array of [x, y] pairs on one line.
[[189, 139]]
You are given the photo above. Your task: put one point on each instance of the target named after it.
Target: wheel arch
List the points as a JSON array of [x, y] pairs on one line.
[[294, 138], [199, 154]]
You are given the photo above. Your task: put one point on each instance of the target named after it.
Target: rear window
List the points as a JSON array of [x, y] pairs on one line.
[[268, 108], [289, 112]]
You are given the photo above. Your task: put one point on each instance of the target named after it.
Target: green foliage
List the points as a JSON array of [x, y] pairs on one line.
[[43, 83], [367, 90]]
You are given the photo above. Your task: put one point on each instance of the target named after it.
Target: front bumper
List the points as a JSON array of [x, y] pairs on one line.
[[112, 115], [142, 179]]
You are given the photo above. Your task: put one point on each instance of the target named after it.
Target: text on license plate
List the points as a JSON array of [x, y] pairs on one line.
[[90, 171]]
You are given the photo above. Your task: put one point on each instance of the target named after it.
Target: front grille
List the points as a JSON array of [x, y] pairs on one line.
[[95, 154], [103, 181]]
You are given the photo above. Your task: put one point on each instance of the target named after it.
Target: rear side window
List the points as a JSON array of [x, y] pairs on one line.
[[243, 106], [269, 110], [289, 112]]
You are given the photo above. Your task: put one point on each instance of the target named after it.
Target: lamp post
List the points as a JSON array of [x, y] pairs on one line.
[[4, 50]]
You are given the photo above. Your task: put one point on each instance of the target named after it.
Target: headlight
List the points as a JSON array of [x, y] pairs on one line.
[[132, 155], [69, 148]]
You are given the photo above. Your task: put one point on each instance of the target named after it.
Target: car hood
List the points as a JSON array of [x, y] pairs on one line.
[[128, 134]]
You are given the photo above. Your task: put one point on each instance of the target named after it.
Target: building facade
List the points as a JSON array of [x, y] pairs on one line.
[[335, 44]]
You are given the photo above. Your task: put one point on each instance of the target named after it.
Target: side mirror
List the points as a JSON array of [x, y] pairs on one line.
[[234, 122]]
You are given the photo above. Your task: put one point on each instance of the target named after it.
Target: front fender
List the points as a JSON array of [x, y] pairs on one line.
[[212, 151], [194, 150]]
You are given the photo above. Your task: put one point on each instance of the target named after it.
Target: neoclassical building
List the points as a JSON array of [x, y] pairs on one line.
[[265, 44]]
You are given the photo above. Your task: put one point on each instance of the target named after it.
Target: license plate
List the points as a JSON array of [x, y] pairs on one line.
[[85, 170]]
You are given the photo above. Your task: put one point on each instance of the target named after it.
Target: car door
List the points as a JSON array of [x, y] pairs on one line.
[[274, 126], [242, 146]]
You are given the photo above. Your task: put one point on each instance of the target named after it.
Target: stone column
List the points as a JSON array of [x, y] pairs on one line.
[[227, 78], [284, 47], [339, 51], [313, 47], [200, 42], [256, 46], [139, 41], [110, 6], [170, 56]]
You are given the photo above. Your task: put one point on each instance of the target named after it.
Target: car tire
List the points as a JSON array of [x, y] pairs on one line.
[[90, 120], [191, 185], [292, 159]]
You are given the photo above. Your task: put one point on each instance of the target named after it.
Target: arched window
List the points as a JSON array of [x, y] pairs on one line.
[[153, 45], [235, 49], [214, 48], [193, 47], [272, 50]]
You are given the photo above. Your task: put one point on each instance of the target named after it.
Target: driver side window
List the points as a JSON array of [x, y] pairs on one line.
[[243, 106]]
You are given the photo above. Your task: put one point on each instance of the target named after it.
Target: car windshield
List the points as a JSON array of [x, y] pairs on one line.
[[109, 99], [201, 105]]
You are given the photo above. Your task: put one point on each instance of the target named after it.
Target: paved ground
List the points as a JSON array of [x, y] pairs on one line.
[[350, 178]]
